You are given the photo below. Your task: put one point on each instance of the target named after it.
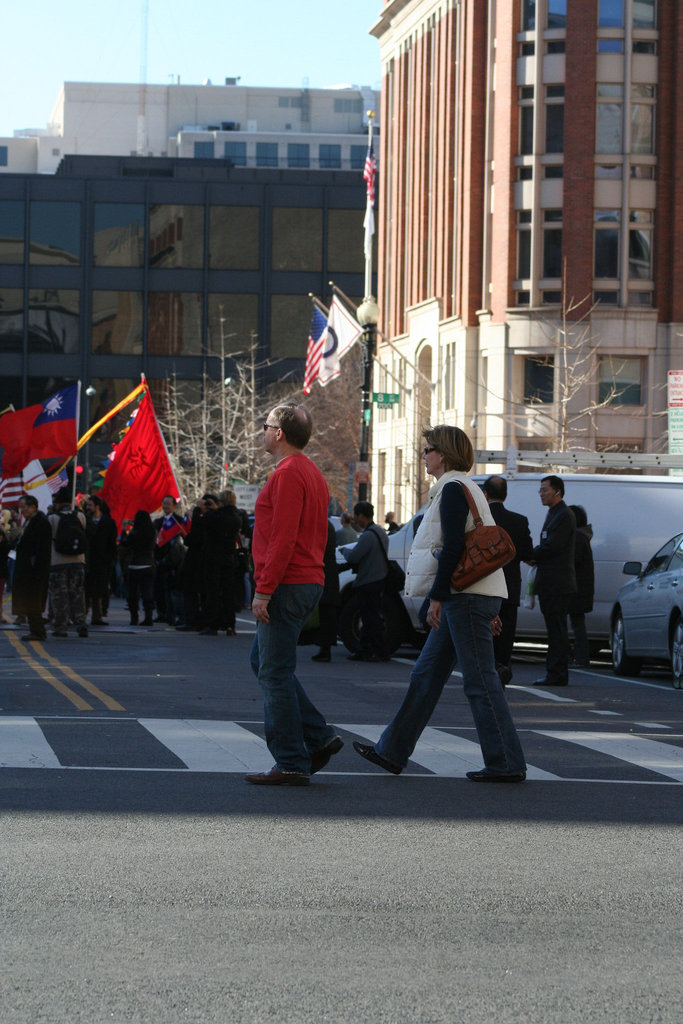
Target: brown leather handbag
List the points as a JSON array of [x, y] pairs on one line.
[[487, 548]]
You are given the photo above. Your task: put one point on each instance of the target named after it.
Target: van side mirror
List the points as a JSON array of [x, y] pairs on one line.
[[632, 568]]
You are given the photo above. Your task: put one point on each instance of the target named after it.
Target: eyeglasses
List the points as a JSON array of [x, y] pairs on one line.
[[426, 450], [270, 426]]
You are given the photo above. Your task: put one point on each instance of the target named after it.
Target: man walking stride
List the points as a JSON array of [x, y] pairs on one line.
[[290, 532]]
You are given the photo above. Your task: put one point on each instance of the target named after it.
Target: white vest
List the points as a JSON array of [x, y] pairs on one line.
[[422, 565]]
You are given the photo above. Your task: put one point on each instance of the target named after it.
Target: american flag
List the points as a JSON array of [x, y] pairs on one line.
[[369, 172], [316, 344], [32, 476], [11, 489]]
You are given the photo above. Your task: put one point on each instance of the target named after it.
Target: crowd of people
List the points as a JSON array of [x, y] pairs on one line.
[[62, 566]]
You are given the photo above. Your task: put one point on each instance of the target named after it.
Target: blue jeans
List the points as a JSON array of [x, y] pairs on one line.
[[464, 636], [294, 727]]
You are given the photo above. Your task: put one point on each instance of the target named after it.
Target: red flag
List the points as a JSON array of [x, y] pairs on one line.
[[44, 431], [139, 474]]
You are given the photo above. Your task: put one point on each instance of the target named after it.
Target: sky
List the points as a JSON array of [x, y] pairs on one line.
[[317, 43]]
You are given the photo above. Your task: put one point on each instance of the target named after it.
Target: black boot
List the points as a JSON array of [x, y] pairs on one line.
[[322, 655], [149, 615]]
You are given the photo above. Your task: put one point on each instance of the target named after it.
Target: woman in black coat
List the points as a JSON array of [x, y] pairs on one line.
[[581, 602], [137, 549]]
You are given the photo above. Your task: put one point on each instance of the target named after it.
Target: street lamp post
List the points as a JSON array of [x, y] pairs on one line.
[[368, 318], [225, 406]]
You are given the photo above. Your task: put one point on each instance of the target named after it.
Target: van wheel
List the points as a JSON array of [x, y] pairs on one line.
[[677, 655], [622, 664], [392, 614]]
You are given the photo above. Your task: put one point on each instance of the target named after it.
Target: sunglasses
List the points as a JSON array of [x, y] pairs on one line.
[[270, 426], [426, 450]]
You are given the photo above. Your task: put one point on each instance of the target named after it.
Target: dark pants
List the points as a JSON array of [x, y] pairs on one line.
[[554, 608], [140, 585], [220, 595], [502, 644], [372, 638], [581, 650]]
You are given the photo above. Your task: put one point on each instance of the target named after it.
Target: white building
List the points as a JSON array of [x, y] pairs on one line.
[[254, 127]]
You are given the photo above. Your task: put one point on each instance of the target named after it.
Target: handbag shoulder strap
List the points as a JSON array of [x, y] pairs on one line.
[[472, 504], [375, 534]]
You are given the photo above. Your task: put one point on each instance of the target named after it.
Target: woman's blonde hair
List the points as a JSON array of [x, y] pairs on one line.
[[454, 445]]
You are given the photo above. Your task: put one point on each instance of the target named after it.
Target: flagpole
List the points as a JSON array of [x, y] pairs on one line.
[[368, 317]]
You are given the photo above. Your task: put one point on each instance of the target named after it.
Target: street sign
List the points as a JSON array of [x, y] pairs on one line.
[[675, 405], [385, 399]]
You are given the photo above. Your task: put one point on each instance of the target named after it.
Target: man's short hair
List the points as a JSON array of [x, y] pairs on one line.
[[556, 482], [345, 519], [496, 487], [364, 508], [29, 499], [295, 423], [63, 496]]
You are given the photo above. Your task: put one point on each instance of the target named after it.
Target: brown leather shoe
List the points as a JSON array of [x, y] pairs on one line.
[[275, 777]]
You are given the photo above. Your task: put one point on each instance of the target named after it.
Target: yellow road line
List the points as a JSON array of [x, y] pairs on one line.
[[95, 691], [62, 688]]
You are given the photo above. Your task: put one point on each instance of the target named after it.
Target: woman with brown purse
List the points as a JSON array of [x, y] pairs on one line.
[[461, 622]]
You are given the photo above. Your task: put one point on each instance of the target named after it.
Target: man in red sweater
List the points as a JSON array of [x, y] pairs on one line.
[[290, 533]]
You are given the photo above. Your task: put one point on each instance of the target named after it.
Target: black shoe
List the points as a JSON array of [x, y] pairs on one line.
[[319, 758], [185, 629], [83, 631], [365, 656], [98, 622], [551, 682], [35, 636], [484, 776], [59, 632], [504, 674], [230, 631], [208, 632], [322, 655], [370, 754]]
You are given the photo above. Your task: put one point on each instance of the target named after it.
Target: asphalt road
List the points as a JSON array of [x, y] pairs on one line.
[[142, 880]]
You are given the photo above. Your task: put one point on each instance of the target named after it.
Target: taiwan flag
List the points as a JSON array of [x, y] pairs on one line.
[[139, 475], [45, 431]]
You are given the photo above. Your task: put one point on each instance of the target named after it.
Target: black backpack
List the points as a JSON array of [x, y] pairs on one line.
[[70, 535]]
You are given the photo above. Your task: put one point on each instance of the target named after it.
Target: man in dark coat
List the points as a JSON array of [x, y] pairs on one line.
[[496, 490], [32, 567], [101, 533], [221, 526], [555, 578]]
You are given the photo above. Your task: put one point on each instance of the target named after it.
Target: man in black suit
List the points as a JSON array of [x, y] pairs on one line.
[[555, 578], [496, 490]]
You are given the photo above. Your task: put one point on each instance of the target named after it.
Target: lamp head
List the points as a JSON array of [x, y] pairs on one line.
[[368, 312]]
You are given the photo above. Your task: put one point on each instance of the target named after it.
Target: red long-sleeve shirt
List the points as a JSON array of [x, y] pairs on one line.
[[290, 525]]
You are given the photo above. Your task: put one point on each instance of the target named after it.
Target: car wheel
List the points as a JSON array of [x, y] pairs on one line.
[[392, 613], [622, 664], [677, 655]]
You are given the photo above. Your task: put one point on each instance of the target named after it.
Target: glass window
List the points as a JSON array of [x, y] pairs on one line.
[[609, 131], [55, 233], [647, 46], [526, 130], [118, 234], [3, 156], [232, 318], [645, 171], [619, 381], [552, 298], [528, 15], [358, 154], [610, 45], [642, 119], [606, 298], [611, 13], [527, 49], [556, 46], [554, 171], [557, 13], [234, 237], [203, 149], [644, 13], [523, 254], [344, 249], [606, 243], [11, 231], [297, 238], [174, 324], [523, 298], [552, 252], [11, 320], [266, 154], [660, 561], [117, 323], [290, 319], [608, 171], [53, 320], [640, 245], [237, 152], [539, 372], [298, 154], [329, 155], [554, 128], [176, 235], [526, 173], [640, 298]]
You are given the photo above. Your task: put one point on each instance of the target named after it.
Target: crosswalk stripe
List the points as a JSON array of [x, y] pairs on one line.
[[444, 753], [662, 758], [210, 746], [23, 745]]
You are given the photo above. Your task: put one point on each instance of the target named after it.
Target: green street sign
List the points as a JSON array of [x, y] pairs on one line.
[[385, 399]]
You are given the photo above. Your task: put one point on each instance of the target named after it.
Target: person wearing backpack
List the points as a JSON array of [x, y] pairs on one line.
[[67, 568]]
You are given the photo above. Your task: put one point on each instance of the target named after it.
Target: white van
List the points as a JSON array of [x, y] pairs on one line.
[[631, 516]]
